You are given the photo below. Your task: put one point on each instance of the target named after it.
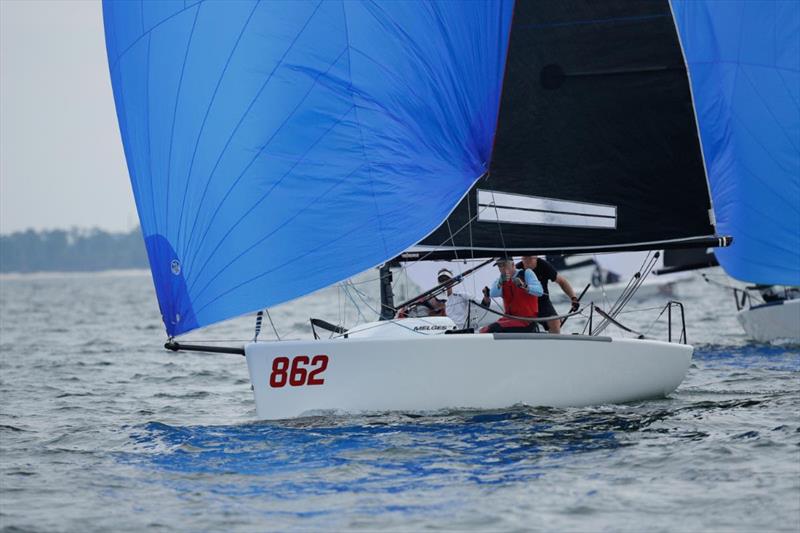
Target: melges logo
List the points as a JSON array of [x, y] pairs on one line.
[[429, 327]]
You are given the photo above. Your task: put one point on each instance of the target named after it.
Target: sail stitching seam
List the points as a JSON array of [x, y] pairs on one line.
[[294, 260], [205, 118], [175, 115], [263, 197], [275, 230], [150, 31], [238, 125]]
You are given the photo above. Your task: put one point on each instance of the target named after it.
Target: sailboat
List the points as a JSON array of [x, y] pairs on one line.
[[626, 264], [276, 148], [747, 96]]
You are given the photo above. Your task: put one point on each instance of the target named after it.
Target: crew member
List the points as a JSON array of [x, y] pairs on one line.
[[520, 290], [545, 272], [458, 303]]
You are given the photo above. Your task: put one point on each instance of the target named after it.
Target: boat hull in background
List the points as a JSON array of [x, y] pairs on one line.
[[772, 321], [650, 288], [459, 371]]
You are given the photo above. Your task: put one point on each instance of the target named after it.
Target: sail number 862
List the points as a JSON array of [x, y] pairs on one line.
[[298, 371]]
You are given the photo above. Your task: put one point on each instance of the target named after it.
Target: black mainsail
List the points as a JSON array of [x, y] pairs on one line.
[[596, 147]]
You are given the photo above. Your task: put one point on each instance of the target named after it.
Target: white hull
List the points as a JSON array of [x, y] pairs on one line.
[[770, 322], [420, 373]]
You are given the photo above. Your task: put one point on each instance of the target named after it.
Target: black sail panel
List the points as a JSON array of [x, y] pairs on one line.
[[684, 259], [596, 147]]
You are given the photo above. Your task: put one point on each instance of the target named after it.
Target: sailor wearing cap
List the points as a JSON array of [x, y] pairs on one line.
[[458, 304], [520, 290]]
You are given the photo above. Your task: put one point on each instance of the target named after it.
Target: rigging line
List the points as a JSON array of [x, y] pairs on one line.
[[633, 284], [272, 324], [640, 309], [524, 318], [631, 288], [205, 119], [258, 154], [499, 226], [629, 291], [604, 322], [408, 264], [175, 116], [339, 306], [469, 217], [653, 323], [602, 281], [358, 309], [452, 240], [247, 112], [459, 230], [586, 324], [471, 249], [363, 298]]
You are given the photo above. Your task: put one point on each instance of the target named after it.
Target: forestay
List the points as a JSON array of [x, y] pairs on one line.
[[744, 59], [275, 148]]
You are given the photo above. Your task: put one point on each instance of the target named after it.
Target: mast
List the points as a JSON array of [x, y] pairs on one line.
[[387, 295]]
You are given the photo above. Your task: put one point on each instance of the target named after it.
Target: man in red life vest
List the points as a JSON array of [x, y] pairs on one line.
[[520, 290]]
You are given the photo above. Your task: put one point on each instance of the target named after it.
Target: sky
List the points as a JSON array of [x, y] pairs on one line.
[[61, 158]]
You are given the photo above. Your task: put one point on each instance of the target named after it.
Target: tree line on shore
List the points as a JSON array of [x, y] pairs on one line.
[[71, 250]]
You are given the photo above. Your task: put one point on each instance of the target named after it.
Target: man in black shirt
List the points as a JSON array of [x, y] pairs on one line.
[[545, 272]]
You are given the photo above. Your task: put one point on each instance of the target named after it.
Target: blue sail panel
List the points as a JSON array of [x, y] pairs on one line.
[[275, 148], [744, 61]]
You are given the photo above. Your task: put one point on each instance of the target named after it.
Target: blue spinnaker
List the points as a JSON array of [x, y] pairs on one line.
[[744, 62], [275, 148]]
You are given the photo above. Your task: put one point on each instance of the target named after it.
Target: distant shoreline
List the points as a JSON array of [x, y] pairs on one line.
[[71, 251], [54, 274]]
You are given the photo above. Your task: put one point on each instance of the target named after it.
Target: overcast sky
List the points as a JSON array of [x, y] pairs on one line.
[[61, 158]]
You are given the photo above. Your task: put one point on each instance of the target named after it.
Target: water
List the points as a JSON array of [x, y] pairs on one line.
[[101, 429]]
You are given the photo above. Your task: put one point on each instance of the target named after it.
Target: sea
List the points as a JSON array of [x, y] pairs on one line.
[[101, 429]]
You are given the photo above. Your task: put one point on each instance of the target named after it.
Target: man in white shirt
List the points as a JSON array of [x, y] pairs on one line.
[[458, 303]]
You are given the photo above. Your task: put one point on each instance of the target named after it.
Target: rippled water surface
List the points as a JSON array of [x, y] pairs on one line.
[[101, 429]]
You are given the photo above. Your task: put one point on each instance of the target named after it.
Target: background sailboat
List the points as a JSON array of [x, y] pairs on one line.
[[744, 60]]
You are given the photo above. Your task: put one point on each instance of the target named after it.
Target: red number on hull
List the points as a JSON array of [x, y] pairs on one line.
[[321, 360], [279, 367], [298, 375]]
